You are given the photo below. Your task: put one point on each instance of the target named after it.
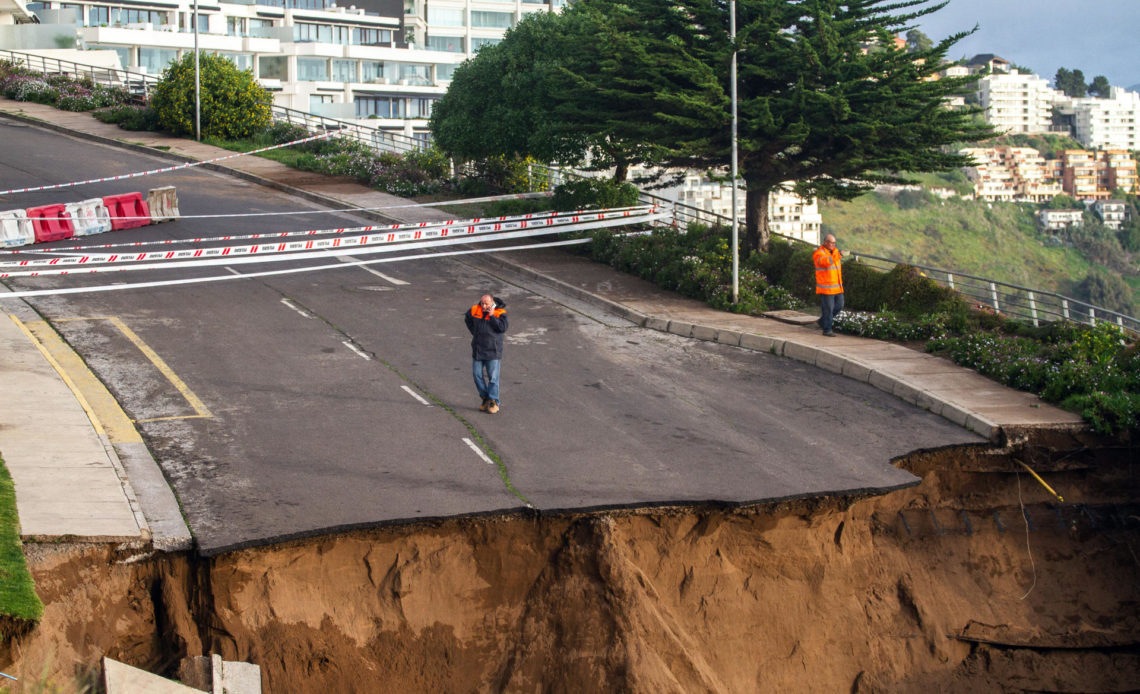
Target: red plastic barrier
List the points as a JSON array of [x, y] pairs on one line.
[[127, 205], [51, 223]]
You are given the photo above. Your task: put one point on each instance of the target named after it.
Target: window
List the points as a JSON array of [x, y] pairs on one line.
[[477, 43], [98, 16], [445, 16], [414, 74], [371, 37], [260, 28], [420, 107], [371, 71], [344, 70], [243, 61], [379, 106], [273, 67], [130, 16], [155, 60], [123, 51], [451, 44], [341, 35], [312, 70], [71, 13], [495, 20], [444, 71], [235, 26], [315, 101]]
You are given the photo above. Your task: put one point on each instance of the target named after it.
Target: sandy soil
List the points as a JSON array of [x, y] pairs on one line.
[[948, 586]]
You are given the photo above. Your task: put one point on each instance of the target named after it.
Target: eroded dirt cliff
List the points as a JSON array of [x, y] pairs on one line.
[[976, 580]]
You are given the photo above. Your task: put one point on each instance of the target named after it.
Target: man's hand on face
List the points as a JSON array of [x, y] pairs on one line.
[[487, 303]]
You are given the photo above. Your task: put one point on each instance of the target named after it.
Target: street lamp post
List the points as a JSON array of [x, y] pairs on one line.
[[197, 81], [732, 80]]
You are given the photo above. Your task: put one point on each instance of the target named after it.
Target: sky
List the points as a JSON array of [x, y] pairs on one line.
[[1098, 37]]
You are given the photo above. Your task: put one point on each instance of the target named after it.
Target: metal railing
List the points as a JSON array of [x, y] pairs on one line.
[[376, 138], [138, 84]]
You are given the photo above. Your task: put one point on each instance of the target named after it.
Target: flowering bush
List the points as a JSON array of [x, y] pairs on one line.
[[887, 325], [1085, 369], [233, 104], [62, 91]]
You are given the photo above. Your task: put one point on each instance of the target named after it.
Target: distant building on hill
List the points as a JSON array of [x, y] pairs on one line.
[[788, 213], [1011, 174], [1113, 213], [1056, 220], [1112, 123]]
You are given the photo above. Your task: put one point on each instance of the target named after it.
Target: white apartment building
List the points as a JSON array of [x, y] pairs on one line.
[[1112, 212], [1017, 103], [1055, 220], [386, 61], [788, 214], [1112, 123]]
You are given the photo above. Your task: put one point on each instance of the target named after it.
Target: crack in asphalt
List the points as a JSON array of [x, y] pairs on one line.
[[486, 448]]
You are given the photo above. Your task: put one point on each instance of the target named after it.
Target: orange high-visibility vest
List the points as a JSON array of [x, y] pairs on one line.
[[477, 312], [828, 275]]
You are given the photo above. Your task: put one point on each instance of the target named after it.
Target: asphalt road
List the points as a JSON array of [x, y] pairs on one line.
[[297, 404]]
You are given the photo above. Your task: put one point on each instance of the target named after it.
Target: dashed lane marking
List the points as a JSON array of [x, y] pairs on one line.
[[356, 349], [296, 308], [478, 451], [415, 395]]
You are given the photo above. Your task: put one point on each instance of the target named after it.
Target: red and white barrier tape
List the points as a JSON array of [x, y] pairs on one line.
[[420, 226], [328, 254], [303, 250], [163, 170]]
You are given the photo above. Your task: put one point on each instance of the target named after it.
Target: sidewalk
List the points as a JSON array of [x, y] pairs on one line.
[[67, 471]]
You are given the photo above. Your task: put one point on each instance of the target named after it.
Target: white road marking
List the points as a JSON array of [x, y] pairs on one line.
[[478, 451], [356, 349], [415, 395], [297, 308], [232, 270], [381, 275]]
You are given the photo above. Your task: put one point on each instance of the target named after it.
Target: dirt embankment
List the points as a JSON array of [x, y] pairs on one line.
[[948, 586]]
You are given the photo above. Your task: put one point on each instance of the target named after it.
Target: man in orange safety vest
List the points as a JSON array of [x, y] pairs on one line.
[[828, 282]]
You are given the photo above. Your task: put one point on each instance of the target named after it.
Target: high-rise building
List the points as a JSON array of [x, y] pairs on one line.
[[1016, 103], [1112, 123]]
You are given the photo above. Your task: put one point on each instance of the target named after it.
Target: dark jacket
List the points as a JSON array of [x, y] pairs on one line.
[[487, 330]]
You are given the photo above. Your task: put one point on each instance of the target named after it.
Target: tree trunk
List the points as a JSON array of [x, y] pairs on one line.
[[621, 170], [756, 231]]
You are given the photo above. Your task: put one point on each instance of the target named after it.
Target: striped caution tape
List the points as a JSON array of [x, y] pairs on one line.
[[321, 248], [446, 224], [122, 286], [168, 169]]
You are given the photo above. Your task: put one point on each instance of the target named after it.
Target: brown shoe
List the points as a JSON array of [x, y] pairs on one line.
[[493, 407], [485, 405]]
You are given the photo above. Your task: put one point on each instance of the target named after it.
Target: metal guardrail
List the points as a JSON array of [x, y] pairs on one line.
[[1033, 306], [138, 84]]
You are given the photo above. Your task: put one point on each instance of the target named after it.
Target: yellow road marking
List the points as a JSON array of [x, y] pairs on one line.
[[195, 403], [106, 416]]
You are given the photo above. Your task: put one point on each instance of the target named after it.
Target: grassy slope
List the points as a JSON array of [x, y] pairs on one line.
[[997, 241], [17, 593]]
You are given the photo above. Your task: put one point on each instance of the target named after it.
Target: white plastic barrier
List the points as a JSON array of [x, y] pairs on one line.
[[89, 217], [16, 229], [163, 204]]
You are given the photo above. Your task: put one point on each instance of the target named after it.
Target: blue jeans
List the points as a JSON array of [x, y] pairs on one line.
[[486, 375], [830, 304]]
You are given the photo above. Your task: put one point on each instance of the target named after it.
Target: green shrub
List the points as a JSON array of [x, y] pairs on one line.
[[593, 193], [507, 174], [864, 287], [908, 291], [515, 208], [233, 105], [773, 263], [799, 273], [129, 117]]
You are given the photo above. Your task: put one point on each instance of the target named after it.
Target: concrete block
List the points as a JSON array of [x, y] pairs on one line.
[[728, 337], [881, 381], [761, 343], [907, 392], [119, 678], [856, 371], [655, 323], [232, 677], [983, 426], [928, 402], [955, 414], [804, 353], [703, 332], [830, 362], [680, 328]]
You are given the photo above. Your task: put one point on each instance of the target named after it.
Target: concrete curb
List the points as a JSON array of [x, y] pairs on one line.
[[781, 347]]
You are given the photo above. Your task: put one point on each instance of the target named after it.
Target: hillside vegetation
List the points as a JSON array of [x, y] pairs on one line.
[[996, 240]]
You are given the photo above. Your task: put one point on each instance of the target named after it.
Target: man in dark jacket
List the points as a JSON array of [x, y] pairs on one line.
[[487, 322]]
